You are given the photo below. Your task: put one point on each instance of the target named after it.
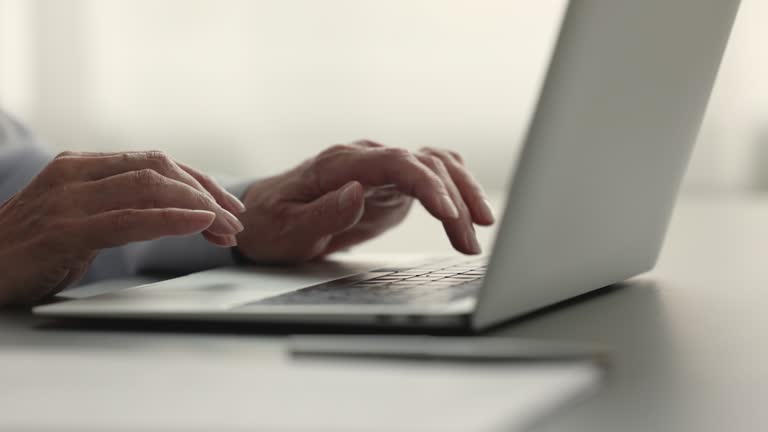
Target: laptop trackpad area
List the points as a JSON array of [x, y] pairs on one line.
[[220, 289]]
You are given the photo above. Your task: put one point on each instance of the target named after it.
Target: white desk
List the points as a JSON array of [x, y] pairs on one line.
[[689, 339]]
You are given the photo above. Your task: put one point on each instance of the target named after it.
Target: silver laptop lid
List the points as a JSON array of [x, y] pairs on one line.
[[606, 150]]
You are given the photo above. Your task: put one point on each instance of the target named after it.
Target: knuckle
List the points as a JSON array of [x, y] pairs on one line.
[[157, 155], [166, 217], [431, 161], [445, 155], [127, 157], [398, 153], [207, 180], [283, 218], [58, 168], [123, 220], [338, 148], [65, 154], [160, 159], [368, 143], [147, 177], [456, 155], [330, 156], [205, 201], [60, 163]]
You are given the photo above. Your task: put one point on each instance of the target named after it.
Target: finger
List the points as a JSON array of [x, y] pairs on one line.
[[376, 220], [345, 240], [384, 166], [221, 240], [97, 166], [385, 208], [460, 231], [54, 276], [219, 193], [367, 144], [120, 227], [146, 189], [330, 214], [74, 276], [471, 191], [89, 154], [57, 278], [386, 196], [456, 156], [91, 166], [61, 286]]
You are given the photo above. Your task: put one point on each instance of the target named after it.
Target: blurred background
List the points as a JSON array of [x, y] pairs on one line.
[[248, 88]]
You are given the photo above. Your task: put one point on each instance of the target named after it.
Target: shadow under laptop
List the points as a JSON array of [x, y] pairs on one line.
[[644, 343]]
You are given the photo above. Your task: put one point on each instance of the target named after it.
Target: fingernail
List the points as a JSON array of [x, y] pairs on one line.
[[472, 243], [239, 206], [448, 207], [347, 196], [201, 215], [233, 222], [489, 211], [231, 241]]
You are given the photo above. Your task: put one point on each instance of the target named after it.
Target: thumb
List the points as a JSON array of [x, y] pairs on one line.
[[335, 211]]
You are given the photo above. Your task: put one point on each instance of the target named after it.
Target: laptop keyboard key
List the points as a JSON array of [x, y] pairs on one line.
[[429, 284]]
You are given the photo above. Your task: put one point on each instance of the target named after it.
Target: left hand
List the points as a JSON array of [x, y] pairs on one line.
[[351, 193]]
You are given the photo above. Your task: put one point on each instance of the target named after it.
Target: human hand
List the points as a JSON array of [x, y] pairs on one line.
[[83, 202], [351, 193]]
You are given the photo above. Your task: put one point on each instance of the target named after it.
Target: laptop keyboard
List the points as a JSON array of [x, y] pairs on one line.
[[439, 282]]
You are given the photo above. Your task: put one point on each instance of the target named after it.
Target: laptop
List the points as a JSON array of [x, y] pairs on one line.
[[588, 204]]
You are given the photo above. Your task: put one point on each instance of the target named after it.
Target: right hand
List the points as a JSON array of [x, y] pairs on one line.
[[51, 231]]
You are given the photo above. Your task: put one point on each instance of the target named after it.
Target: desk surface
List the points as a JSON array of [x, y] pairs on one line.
[[688, 340]]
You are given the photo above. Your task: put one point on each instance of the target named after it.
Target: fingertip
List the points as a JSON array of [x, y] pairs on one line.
[[487, 213], [219, 240], [238, 206], [351, 196], [481, 212], [200, 218], [226, 223], [351, 204], [448, 208], [483, 219], [472, 245]]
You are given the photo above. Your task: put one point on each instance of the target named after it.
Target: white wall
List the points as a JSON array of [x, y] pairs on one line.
[[731, 155], [250, 87]]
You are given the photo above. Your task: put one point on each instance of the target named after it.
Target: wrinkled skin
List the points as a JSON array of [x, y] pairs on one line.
[[352, 193], [84, 202]]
